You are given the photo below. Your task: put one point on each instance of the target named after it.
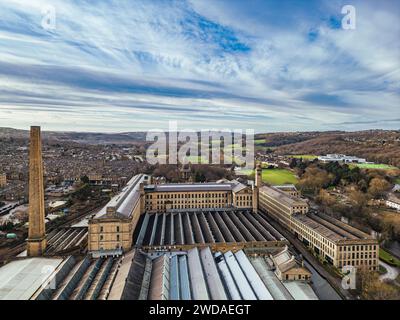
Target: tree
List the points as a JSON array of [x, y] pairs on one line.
[[8, 226], [314, 179], [85, 179], [200, 177], [378, 186], [325, 198], [371, 288], [358, 200]]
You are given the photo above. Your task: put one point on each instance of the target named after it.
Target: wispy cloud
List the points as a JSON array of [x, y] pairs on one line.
[[134, 65]]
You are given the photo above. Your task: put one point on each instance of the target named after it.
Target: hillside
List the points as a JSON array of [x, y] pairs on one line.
[[379, 146], [79, 137]]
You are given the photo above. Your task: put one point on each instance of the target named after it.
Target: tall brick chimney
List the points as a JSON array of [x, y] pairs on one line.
[[36, 244]]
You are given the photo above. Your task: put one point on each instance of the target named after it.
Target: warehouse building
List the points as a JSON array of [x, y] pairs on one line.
[[163, 197], [199, 274], [111, 229], [335, 241], [341, 158], [195, 274]]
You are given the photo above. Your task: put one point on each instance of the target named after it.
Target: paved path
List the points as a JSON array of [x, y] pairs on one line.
[[391, 273], [335, 282]]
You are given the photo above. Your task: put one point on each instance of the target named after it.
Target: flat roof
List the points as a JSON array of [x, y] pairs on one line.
[[20, 279], [319, 228], [286, 187], [300, 290], [394, 199], [187, 187], [282, 196]]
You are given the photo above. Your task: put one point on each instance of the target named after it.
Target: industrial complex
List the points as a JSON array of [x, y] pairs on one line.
[[189, 241]]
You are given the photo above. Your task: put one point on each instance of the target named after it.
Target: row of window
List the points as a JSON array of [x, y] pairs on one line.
[[186, 195], [186, 206], [101, 237], [357, 255], [358, 248], [117, 229], [356, 263], [244, 204], [188, 201], [243, 198]]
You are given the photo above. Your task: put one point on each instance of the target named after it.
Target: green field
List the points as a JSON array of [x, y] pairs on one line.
[[275, 176], [372, 166], [259, 141], [388, 258], [304, 156], [397, 181]]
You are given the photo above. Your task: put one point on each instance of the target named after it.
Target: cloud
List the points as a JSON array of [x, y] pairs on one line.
[[134, 65]]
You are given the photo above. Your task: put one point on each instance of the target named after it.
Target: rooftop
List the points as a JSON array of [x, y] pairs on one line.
[[331, 228], [20, 279], [319, 228], [282, 196], [286, 187], [205, 226], [125, 201], [393, 199], [201, 274]]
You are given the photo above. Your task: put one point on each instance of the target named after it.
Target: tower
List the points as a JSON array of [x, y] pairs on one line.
[[37, 230], [256, 187], [258, 176]]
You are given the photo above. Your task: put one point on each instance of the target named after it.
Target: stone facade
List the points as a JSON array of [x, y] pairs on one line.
[[339, 244], [3, 180]]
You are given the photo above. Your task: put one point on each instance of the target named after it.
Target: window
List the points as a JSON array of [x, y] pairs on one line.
[[117, 237], [101, 229], [117, 228]]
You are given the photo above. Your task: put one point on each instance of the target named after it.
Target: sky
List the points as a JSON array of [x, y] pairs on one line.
[[117, 66]]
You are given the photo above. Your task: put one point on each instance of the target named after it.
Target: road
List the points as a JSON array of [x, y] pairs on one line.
[[391, 273], [335, 282]]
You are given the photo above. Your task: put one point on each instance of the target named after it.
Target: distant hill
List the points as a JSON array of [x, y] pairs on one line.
[[381, 146], [79, 137]]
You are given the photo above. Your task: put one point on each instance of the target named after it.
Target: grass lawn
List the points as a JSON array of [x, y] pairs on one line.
[[278, 176], [388, 258], [304, 156], [372, 166], [397, 181], [382, 270], [259, 141], [274, 176]]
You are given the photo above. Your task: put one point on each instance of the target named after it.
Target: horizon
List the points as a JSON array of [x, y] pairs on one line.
[[183, 130], [270, 66]]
